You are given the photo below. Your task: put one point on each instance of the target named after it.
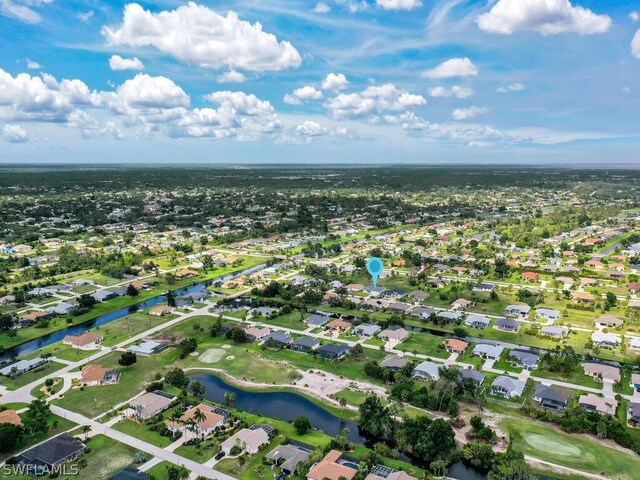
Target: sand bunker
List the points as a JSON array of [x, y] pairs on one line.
[[212, 355], [553, 446]]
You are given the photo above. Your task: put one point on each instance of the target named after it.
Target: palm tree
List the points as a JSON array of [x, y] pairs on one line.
[[343, 404], [230, 398], [175, 418], [199, 417], [86, 429]]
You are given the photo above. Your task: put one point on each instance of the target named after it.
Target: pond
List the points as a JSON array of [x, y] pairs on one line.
[[287, 406]]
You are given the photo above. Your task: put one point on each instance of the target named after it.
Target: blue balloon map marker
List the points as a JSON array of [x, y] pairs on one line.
[[375, 267]]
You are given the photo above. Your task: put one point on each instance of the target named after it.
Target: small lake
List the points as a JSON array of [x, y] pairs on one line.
[[287, 406], [33, 345]]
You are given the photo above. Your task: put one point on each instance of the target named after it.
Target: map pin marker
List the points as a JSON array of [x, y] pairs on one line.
[[375, 267]]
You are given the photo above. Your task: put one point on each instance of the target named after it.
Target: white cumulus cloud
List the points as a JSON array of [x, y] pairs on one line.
[[335, 81], [547, 17], [26, 97], [144, 92], [116, 62], [398, 4], [321, 7], [468, 113], [514, 87], [635, 45], [299, 95], [32, 64], [310, 128], [634, 16], [455, 91], [15, 134], [231, 77], [454, 67], [372, 102], [196, 34]]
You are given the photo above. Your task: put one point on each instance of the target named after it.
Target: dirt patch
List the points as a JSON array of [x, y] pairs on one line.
[[212, 355]]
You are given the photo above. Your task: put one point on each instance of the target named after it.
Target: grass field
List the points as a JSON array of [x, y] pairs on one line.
[[425, 344], [142, 432], [574, 451], [91, 401], [27, 378]]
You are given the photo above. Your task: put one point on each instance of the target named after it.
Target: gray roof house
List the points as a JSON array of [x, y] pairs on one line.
[[104, 295], [21, 366], [548, 397], [394, 362], [527, 360], [507, 325], [474, 375], [633, 414], [451, 316], [304, 344], [288, 456], [147, 348], [555, 332], [44, 458], [316, 320], [477, 321], [507, 387], [489, 352], [61, 309], [426, 371], [366, 330], [518, 310], [548, 314], [279, 337]]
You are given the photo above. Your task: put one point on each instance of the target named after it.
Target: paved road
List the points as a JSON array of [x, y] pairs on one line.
[[157, 452]]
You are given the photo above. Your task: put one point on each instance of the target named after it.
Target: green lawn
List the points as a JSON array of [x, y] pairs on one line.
[[576, 377], [574, 451], [288, 320], [159, 472], [92, 401], [142, 432], [425, 344], [33, 375]]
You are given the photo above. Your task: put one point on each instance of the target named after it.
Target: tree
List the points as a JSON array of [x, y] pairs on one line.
[[375, 419], [478, 454], [230, 398], [343, 404], [198, 416], [171, 299], [302, 425], [177, 378], [132, 291], [197, 388], [127, 359], [429, 439], [86, 429], [9, 436]]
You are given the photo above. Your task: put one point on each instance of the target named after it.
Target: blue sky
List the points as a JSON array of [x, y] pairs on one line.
[[337, 81]]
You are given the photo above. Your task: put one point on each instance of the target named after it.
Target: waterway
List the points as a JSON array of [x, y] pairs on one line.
[[287, 406], [36, 344]]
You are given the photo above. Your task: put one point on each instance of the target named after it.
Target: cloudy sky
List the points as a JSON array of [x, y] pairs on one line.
[[336, 81]]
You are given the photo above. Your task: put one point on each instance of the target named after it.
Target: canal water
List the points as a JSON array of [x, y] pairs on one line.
[[287, 406], [57, 336]]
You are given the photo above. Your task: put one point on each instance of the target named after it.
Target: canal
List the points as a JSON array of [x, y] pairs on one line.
[[287, 406], [36, 344]]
